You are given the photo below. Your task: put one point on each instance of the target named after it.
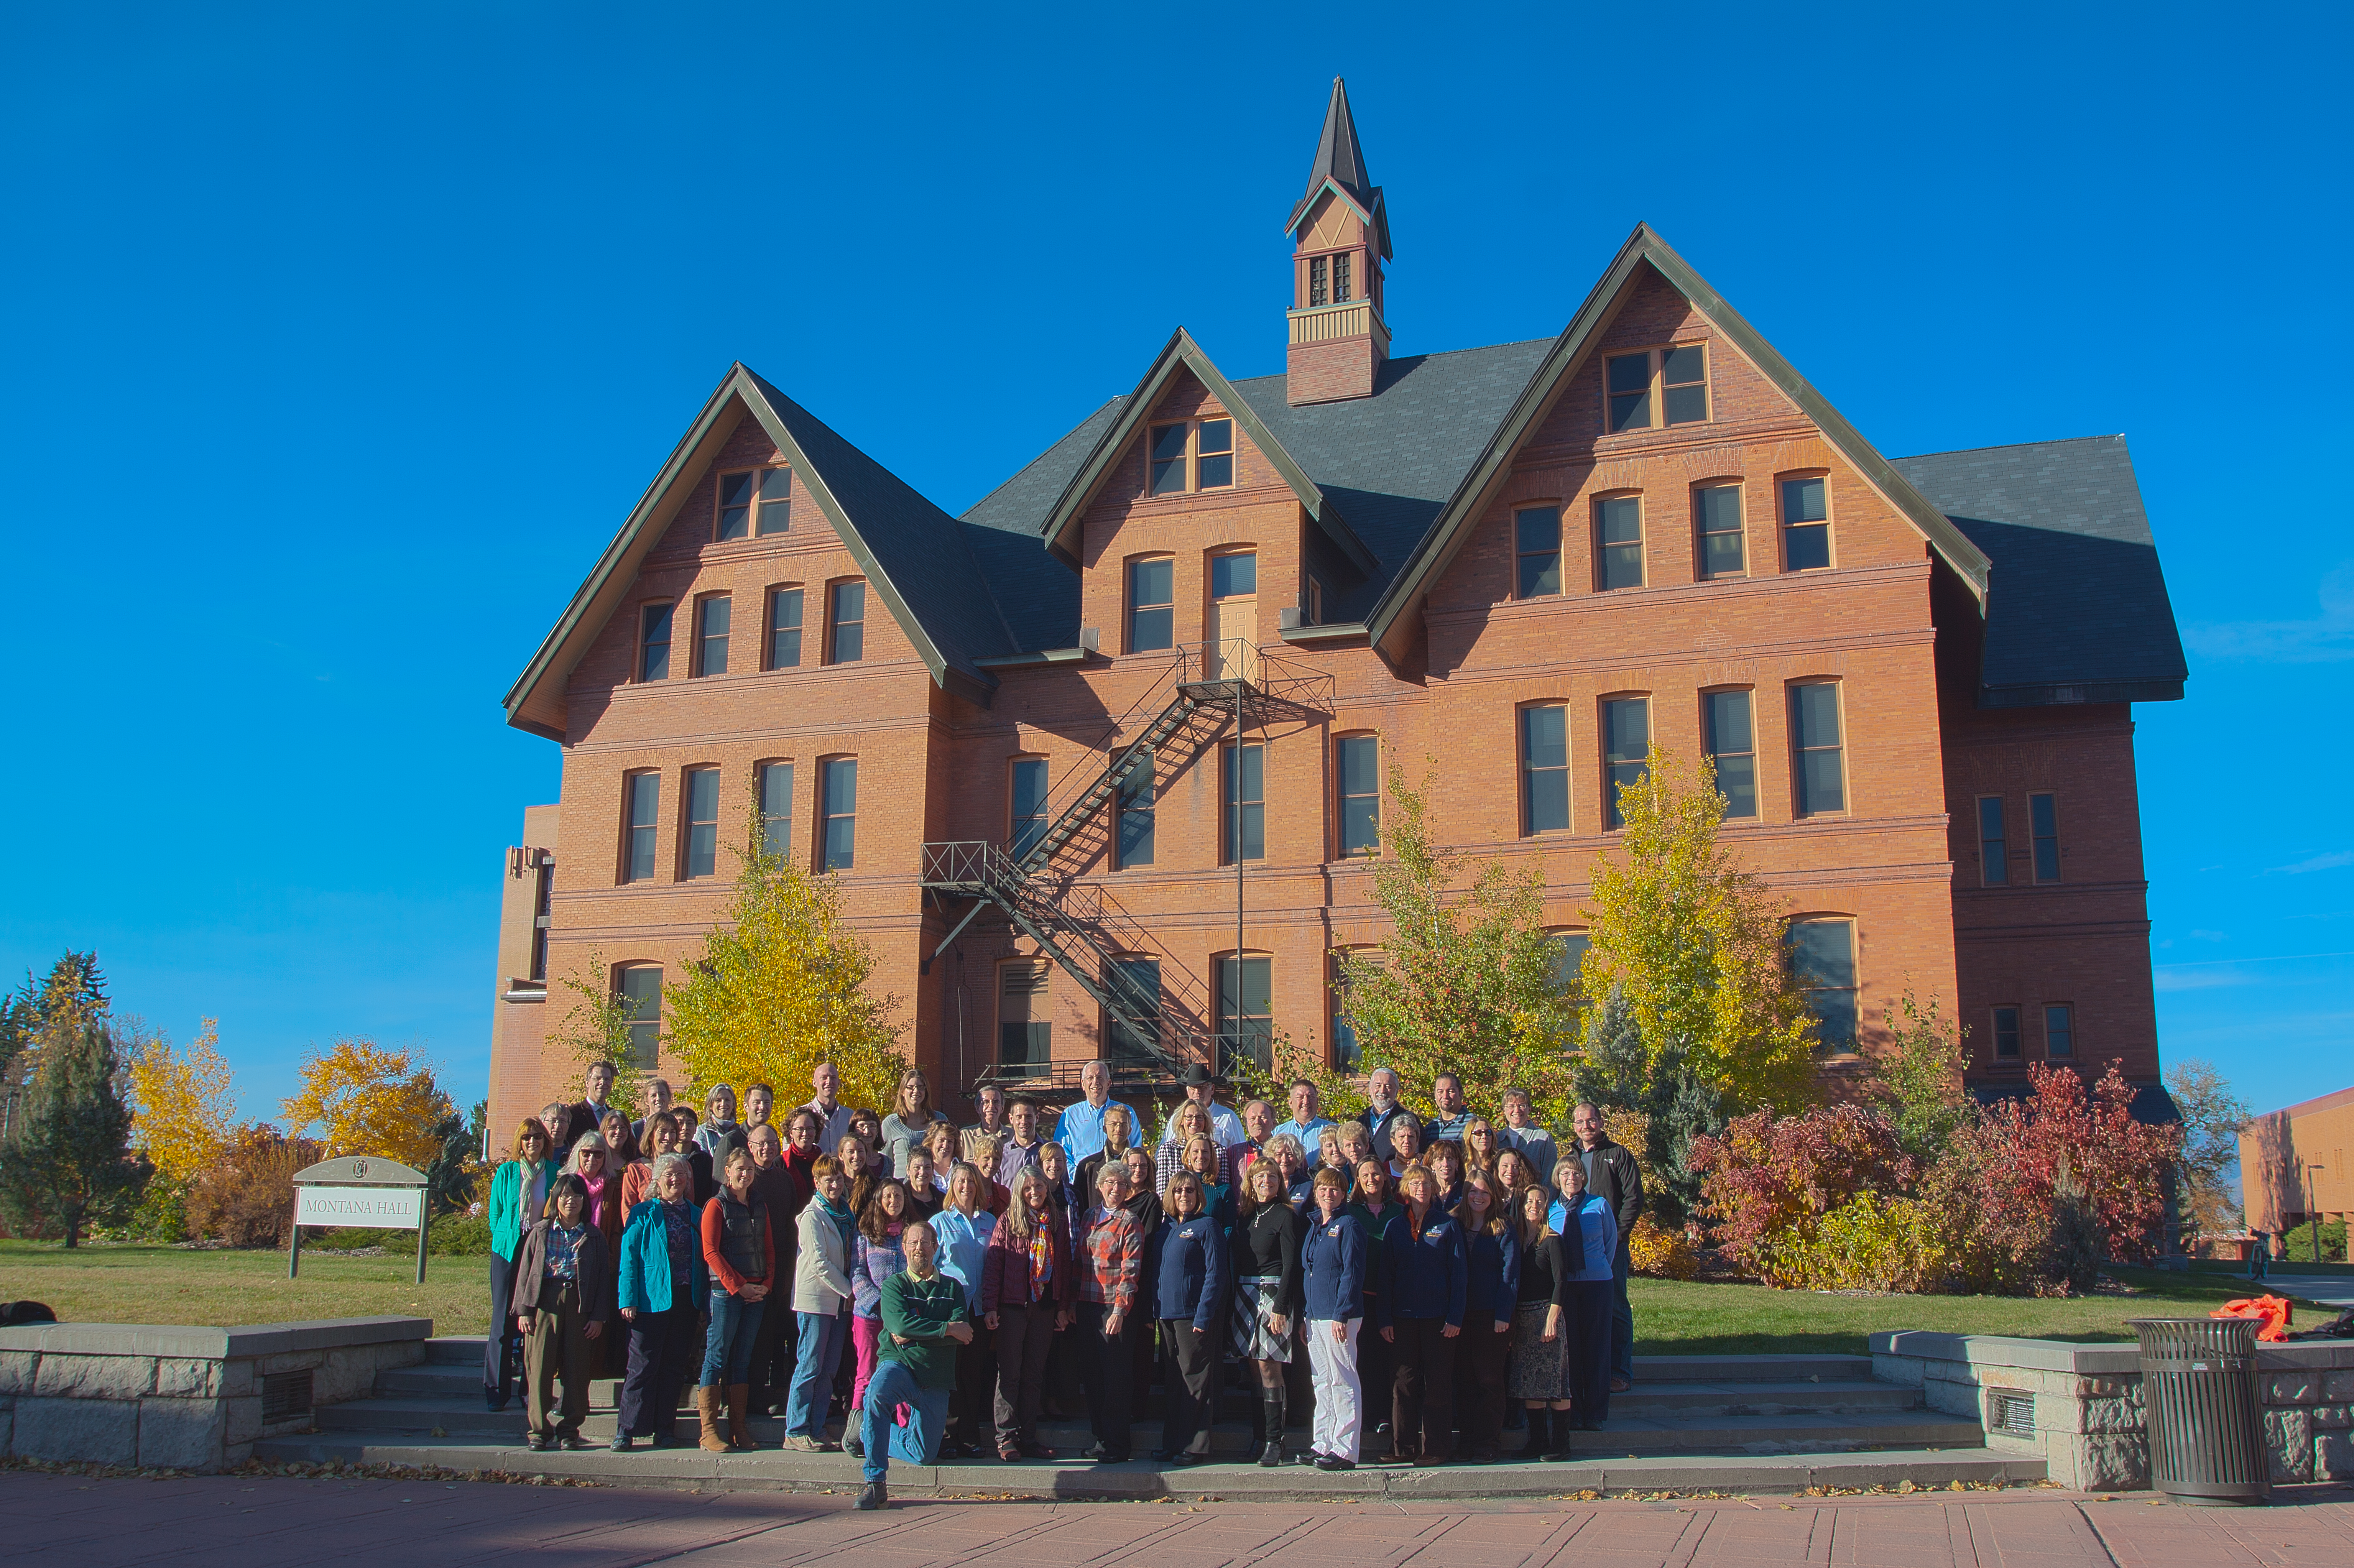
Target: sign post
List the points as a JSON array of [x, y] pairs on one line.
[[362, 1191]]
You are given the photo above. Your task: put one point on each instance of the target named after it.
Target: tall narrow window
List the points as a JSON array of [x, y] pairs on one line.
[[1822, 960], [542, 914], [1569, 978], [1346, 1056], [638, 987], [1994, 850], [735, 505], [1359, 766], [2043, 823], [653, 643], [1320, 282], [1136, 810], [1168, 459], [1536, 545], [1815, 734], [1718, 509], [1137, 983], [1731, 745], [840, 814], [1029, 804], [1626, 751], [1806, 525], [2059, 1031], [2006, 1034], [701, 822], [1214, 465], [1246, 769], [784, 629], [1152, 605], [848, 632], [776, 501], [641, 795], [1683, 384], [1025, 1035], [710, 635], [1245, 1013], [776, 788], [1629, 377], [1545, 770], [1234, 576], [1619, 537], [1341, 293]]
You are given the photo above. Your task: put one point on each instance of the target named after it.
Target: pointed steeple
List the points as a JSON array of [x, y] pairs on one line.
[[1342, 160], [1339, 238]]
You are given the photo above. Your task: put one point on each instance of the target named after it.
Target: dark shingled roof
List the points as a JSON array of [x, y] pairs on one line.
[[2076, 608], [922, 550]]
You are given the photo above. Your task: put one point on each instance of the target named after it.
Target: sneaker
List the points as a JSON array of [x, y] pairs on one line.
[[797, 1444], [619, 1441], [873, 1498], [854, 1444]]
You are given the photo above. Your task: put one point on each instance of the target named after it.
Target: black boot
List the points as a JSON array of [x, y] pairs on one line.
[[1540, 1422], [1564, 1422], [1271, 1417]]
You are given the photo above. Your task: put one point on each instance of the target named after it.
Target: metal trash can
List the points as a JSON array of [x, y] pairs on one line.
[[2205, 1415]]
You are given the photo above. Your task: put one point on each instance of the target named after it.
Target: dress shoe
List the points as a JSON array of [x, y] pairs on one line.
[[618, 1442], [1334, 1462], [1036, 1451], [536, 1442], [573, 1443]]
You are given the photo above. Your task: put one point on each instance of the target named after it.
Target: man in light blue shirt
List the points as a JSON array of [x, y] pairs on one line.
[[1305, 1124], [1079, 1129]]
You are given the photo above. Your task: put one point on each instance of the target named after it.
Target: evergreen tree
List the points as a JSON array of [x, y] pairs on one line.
[[65, 1165], [1620, 1072]]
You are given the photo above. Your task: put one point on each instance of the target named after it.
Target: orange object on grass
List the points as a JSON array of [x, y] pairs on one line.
[[2272, 1313]]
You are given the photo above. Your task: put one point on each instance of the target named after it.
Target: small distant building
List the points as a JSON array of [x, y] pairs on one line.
[[2293, 1163]]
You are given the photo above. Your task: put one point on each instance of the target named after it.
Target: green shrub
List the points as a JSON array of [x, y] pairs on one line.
[[2297, 1243], [1871, 1243], [460, 1235]]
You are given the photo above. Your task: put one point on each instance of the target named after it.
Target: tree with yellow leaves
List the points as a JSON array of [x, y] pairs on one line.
[[369, 1100], [1695, 946], [182, 1105], [781, 985]]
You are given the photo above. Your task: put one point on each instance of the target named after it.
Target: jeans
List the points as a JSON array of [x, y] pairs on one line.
[[1340, 1394], [727, 1343], [821, 1334], [1622, 1318], [894, 1385], [661, 1351]]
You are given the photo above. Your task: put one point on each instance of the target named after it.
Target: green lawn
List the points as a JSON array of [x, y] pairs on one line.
[[1673, 1319], [103, 1284], [166, 1285]]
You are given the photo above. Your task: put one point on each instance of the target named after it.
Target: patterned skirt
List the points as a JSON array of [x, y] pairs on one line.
[[1248, 1335], [1539, 1370]]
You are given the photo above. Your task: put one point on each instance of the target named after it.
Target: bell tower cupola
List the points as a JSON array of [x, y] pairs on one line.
[[1339, 238]]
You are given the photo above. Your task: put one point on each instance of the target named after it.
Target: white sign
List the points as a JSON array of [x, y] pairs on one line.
[[364, 1208]]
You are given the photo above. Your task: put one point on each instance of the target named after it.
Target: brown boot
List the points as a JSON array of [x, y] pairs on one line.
[[739, 1424], [706, 1407]]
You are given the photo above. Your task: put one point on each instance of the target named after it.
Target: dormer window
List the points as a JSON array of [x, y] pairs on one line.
[[759, 501], [1642, 387], [1198, 455]]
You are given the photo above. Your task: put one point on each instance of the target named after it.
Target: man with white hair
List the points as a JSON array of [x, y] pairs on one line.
[[1079, 1129], [1382, 1108]]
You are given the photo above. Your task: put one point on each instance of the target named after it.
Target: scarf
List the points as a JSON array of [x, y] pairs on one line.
[[1041, 1254], [595, 1185], [842, 1218], [1572, 1238], [531, 1191]]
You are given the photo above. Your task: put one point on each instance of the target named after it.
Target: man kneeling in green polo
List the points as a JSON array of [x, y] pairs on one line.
[[924, 1321]]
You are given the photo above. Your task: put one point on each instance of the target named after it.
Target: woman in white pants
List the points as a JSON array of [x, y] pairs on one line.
[[1332, 1275]]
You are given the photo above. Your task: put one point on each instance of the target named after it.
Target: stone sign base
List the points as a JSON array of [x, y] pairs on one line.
[[182, 1398], [2079, 1408]]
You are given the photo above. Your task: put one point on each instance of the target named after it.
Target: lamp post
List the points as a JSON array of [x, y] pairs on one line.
[[2312, 1215]]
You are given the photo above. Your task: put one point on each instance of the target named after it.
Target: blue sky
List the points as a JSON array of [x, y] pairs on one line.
[[338, 340]]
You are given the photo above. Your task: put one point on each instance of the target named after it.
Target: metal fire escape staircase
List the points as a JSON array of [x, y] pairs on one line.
[[1078, 925]]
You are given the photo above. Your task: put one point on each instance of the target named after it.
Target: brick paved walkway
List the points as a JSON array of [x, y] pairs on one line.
[[263, 1522]]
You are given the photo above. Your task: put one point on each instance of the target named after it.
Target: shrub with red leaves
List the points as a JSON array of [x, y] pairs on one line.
[[1767, 1178]]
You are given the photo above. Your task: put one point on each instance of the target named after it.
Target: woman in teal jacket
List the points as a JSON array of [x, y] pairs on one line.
[[518, 1193], [663, 1285]]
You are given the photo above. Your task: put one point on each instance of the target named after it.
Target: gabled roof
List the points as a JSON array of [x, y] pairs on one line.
[[1341, 166], [1178, 354], [1389, 624], [914, 557], [2077, 610]]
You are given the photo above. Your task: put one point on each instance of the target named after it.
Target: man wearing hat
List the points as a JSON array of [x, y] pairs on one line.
[[1201, 1087]]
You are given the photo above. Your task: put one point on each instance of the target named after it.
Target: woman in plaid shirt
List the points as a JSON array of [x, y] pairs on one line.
[[1111, 1272]]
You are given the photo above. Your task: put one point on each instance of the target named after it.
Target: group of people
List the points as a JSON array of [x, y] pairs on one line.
[[1430, 1273]]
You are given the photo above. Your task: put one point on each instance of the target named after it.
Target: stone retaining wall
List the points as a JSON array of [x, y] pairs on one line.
[[185, 1398], [2087, 1421]]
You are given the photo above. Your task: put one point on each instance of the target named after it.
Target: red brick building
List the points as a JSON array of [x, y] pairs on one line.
[[1124, 721]]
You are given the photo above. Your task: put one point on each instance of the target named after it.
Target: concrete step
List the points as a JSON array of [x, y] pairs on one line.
[[768, 1470], [466, 1349], [1660, 1432]]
